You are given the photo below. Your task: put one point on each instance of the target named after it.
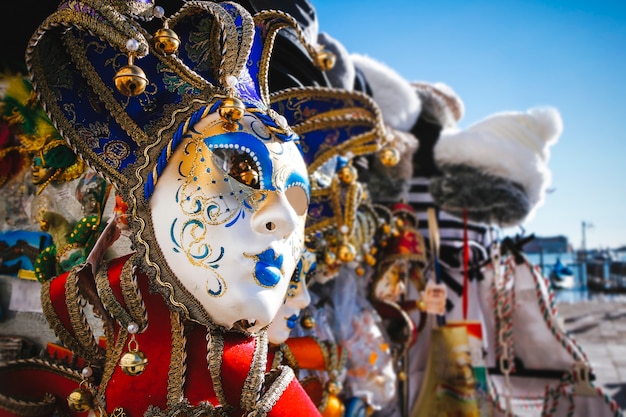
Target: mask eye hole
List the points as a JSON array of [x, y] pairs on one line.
[[239, 166], [298, 199]]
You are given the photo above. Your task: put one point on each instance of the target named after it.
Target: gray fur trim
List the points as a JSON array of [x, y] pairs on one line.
[[385, 184], [488, 199], [390, 184], [343, 73]]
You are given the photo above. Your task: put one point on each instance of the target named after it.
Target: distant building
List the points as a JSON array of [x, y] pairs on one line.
[[552, 244]]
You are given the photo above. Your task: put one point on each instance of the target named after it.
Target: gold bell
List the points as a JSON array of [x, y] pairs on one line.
[[166, 40], [231, 111], [347, 174], [389, 156], [80, 400], [130, 80], [133, 362], [334, 407], [347, 252], [324, 60], [330, 258], [369, 259], [307, 321]]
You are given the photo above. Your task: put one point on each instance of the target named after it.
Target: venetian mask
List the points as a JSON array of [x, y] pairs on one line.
[[40, 172], [297, 299], [229, 212]]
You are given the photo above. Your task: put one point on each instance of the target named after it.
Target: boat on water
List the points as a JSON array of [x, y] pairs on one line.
[[561, 276]]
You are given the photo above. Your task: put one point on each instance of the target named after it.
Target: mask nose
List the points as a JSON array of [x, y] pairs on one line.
[[275, 216], [302, 298]]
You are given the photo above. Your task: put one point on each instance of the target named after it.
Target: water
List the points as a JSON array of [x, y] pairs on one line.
[[580, 291]]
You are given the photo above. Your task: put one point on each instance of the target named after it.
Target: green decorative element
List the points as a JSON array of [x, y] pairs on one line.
[[60, 157]]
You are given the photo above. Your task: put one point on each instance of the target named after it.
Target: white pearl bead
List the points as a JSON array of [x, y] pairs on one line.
[[344, 229], [86, 372], [231, 81], [133, 328], [132, 45], [158, 12]]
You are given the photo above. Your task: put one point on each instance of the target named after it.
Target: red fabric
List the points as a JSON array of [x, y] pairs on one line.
[[238, 355], [115, 274], [199, 386], [31, 383], [57, 297], [314, 389], [294, 401], [135, 393]]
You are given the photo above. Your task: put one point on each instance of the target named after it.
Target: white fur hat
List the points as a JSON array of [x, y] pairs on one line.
[[440, 103], [395, 96], [509, 145]]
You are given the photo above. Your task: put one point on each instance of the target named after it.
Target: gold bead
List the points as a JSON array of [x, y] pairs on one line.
[[130, 80], [133, 362], [360, 271], [347, 252], [231, 111], [334, 407], [324, 60], [308, 321], [389, 156], [347, 174], [369, 259], [330, 258], [402, 376], [166, 41], [80, 400]]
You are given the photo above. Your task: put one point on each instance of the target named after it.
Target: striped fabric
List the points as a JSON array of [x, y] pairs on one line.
[[451, 246]]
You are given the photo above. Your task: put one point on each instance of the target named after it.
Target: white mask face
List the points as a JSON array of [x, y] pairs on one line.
[[297, 299], [229, 212]]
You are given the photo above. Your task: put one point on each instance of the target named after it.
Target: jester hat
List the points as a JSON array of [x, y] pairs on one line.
[[224, 55]]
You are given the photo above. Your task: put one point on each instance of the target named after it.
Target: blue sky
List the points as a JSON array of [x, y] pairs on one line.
[[513, 55]]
